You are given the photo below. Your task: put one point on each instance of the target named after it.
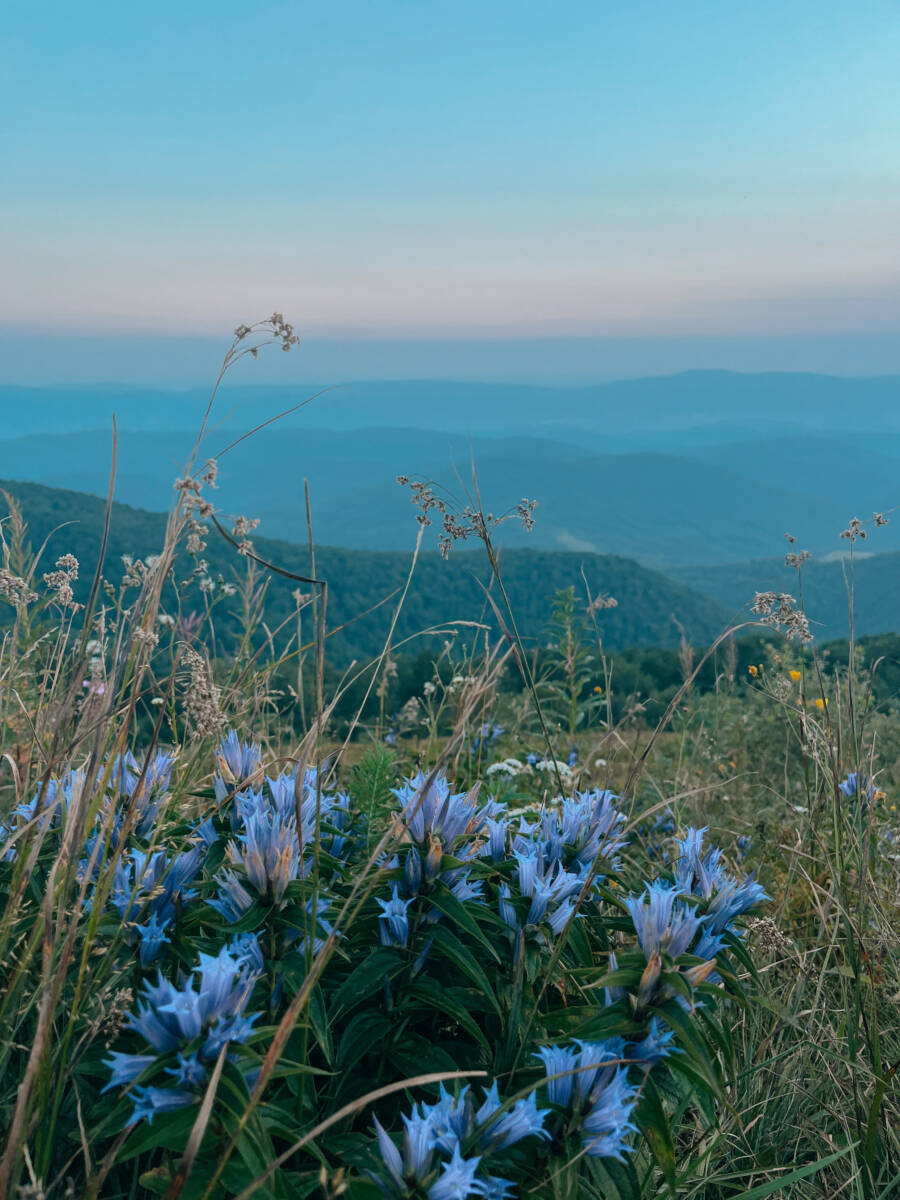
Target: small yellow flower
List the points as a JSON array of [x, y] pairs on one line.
[[879, 795], [598, 690], [820, 703], [795, 676], [754, 671]]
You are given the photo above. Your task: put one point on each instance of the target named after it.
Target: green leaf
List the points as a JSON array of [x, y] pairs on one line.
[[440, 999], [367, 979], [653, 1123], [452, 948], [445, 902]]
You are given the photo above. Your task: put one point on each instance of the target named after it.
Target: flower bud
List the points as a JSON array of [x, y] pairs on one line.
[[433, 861], [649, 980], [413, 873]]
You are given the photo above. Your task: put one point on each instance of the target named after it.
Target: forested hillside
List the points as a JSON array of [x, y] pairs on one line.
[[650, 609]]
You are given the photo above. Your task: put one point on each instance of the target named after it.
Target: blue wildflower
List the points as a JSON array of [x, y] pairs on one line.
[[608, 1123], [268, 851], [431, 810], [698, 872], [395, 928], [412, 874], [390, 1155], [153, 938], [858, 785], [733, 899], [148, 1101], [239, 765], [190, 1071], [523, 1120], [561, 1061], [654, 1047], [507, 912], [246, 949], [663, 924], [233, 899], [169, 1018], [125, 1068], [457, 1180]]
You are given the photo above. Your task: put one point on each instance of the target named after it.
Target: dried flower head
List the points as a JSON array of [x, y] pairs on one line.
[[461, 523], [854, 530], [201, 696], [777, 609], [14, 589]]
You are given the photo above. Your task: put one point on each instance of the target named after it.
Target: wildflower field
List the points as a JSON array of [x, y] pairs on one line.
[[509, 939]]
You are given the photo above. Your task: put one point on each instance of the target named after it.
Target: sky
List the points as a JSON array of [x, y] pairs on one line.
[[477, 188]]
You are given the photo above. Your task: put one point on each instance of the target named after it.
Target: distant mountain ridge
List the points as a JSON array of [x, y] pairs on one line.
[[683, 506], [763, 402]]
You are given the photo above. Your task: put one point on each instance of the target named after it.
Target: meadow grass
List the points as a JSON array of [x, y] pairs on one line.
[[507, 942]]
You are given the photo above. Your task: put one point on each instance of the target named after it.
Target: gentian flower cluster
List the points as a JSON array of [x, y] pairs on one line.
[[151, 885], [690, 915], [592, 1085], [268, 852], [438, 822], [50, 803], [145, 785], [186, 1027], [435, 1131], [703, 874], [571, 839]]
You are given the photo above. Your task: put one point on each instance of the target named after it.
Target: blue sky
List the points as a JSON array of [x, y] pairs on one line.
[[390, 171]]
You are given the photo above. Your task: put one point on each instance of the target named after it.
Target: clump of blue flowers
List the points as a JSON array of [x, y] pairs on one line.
[[433, 1161], [186, 1027]]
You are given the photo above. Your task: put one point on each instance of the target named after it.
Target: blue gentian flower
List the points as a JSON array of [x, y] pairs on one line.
[[698, 872], [434, 811], [153, 938], [125, 1068], [418, 1144], [857, 785], [390, 1155], [654, 1047], [233, 899], [450, 1120], [394, 930], [523, 1120], [457, 1180], [732, 900], [412, 874], [607, 1124], [148, 1101], [211, 1007], [663, 924], [239, 765], [561, 1061], [190, 1071], [268, 850]]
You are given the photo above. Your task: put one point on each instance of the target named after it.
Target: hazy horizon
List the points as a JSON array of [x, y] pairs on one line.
[[590, 193]]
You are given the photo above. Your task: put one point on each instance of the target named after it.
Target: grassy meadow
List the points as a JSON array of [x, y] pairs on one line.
[[510, 917]]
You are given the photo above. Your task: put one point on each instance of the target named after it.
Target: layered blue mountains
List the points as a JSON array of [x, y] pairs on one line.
[[694, 479]]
